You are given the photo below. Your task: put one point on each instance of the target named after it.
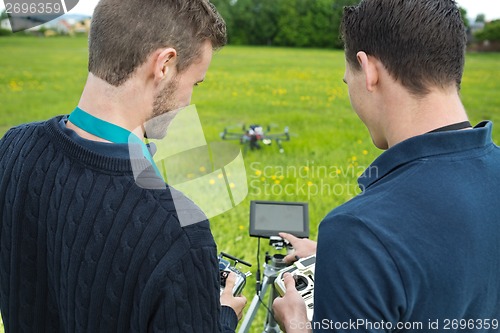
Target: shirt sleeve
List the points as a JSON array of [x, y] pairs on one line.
[[228, 319], [189, 300], [357, 284]]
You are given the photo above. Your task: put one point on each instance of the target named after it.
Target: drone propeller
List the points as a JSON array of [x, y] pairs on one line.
[[272, 126], [289, 134], [237, 126]]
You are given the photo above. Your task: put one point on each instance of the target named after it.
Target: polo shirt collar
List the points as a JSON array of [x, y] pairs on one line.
[[425, 145]]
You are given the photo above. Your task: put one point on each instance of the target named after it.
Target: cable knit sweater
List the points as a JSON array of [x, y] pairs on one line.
[[83, 248]]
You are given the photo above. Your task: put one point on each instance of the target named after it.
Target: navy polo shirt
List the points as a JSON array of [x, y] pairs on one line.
[[419, 249]]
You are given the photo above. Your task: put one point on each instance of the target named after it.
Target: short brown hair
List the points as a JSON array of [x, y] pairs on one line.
[[420, 42], [125, 32]]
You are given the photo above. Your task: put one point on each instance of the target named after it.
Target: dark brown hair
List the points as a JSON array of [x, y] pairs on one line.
[[125, 32], [420, 42]]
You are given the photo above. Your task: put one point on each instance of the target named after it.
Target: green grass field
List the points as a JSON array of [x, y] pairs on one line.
[[299, 88]]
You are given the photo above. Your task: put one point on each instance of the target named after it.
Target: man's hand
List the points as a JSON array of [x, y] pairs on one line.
[[290, 310], [303, 247], [236, 303]]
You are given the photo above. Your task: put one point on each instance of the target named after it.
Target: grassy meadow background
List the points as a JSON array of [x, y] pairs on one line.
[[299, 88]]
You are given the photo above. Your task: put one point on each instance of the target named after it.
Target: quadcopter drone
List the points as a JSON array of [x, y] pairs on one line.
[[254, 135]]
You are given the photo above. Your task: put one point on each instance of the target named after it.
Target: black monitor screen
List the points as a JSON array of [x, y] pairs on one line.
[[268, 218]]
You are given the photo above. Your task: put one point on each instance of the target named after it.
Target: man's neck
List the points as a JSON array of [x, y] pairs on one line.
[[123, 106], [409, 117]]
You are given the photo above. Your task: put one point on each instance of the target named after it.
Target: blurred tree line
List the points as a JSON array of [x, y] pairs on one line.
[[300, 23], [491, 31]]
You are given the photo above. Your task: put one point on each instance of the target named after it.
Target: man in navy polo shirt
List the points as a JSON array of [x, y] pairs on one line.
[[419, 249]]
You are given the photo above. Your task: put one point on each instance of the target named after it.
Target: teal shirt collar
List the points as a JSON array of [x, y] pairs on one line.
[[110, 132]]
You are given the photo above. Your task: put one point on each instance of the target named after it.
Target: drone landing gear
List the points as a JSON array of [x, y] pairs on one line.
[[280, 146]]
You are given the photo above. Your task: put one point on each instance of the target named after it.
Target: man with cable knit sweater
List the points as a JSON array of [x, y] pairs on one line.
[[83, 246]]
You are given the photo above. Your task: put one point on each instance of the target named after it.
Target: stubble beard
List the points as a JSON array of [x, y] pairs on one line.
[[163, 104]]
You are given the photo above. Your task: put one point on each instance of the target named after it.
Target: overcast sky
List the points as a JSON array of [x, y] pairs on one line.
[[490, 8]]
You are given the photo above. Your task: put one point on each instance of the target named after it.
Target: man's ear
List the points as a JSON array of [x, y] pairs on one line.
[[164, 64], [370, 70]]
